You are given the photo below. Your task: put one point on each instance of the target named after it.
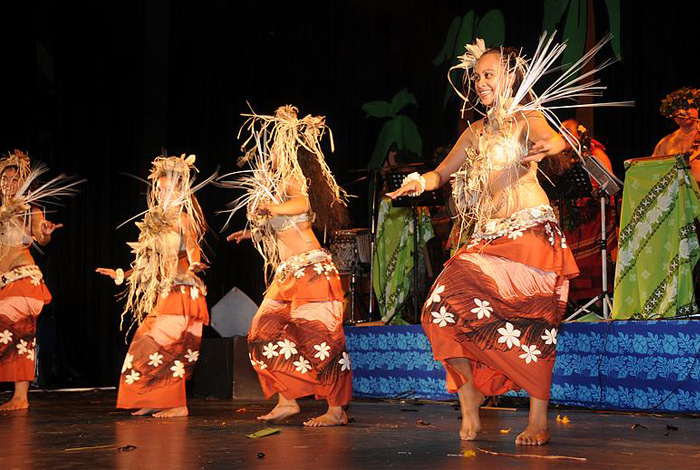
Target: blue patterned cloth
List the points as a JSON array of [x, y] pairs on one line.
[[622, 365]]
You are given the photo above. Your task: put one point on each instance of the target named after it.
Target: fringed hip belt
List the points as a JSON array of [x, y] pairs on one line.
[[190, 280], [517, 222], [21, 272], [294, 264]]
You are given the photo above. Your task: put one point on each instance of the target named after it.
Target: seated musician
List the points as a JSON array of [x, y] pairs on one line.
[[682, 105]]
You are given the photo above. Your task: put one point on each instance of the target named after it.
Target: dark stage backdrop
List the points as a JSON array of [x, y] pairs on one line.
[[97, 88]]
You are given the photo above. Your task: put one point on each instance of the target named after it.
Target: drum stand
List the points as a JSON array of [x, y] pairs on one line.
[[609, 186]]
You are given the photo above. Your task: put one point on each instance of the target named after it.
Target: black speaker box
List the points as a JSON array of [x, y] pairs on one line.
[[224, 370]]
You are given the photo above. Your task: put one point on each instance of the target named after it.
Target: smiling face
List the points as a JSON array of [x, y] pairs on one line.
[[9, 182], [489, 78]]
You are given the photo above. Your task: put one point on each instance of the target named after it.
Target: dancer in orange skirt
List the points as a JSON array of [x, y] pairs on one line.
[[296, 340], [492, 314], [165, 296], [22, 290]]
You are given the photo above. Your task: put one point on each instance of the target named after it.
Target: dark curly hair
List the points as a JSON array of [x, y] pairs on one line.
[[331, 214]]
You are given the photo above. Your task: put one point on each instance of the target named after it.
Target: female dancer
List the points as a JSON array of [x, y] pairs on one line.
[[492, 314], [22, 290], [165, 296], [296, 339]]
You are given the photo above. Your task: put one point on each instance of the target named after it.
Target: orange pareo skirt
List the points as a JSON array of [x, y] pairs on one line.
[[22, 296], [499, 302], [296, 340], [164, 351]]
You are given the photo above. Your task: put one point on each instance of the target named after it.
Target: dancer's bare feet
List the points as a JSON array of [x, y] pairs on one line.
[[470, 399], [280, 413], [335, 416], [15, 404], [533, 436], [19, 399], [144, 412], [172, 412], [537, 431]]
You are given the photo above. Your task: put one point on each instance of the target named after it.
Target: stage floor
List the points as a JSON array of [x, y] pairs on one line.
[[83, 430]]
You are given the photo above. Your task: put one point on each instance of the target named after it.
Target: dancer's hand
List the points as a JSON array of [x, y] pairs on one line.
[[107, 272], [239, 236], [197, 267], [266, 210], [408, 189], [47, 227], [538, 151]]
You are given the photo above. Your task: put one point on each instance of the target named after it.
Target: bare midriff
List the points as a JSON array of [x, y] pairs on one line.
[[527, 193], [297, 240], [15, 257]]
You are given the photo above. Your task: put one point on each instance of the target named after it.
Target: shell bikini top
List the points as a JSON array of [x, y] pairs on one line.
[[281, 223]]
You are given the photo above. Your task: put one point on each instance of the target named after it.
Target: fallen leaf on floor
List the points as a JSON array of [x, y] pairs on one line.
[[563, 419], [466, 453], [422, 423], [263, 433], [351, 420], [241, 410], [505, 431], [126, 448], [635, 426]]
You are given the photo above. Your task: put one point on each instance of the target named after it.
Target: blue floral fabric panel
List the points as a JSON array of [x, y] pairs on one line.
[[622, 365]]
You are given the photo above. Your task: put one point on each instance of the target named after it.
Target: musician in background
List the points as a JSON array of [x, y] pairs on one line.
[[682, 105], [393, 255], [581, 216]]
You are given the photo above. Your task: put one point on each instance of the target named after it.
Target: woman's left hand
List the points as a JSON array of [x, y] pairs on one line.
[[48, 227], [198, 267]]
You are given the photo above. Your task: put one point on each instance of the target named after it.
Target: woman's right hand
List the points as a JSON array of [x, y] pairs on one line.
[[239, 236], [408, 189], [107, 272]]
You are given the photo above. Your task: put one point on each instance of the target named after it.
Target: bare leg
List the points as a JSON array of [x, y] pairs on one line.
[[335, 416], [537, 431], [284, 409], [144, 411], [19, 400], [470, 399], [172, 412]]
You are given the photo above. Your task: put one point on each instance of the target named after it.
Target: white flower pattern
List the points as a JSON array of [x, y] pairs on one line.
[[531, 353], [323, 351], [287, 348], [22, 347], [443, 317], [192, 356], [132, 377], [435, 296], [345, 362], [509, 335], [270, 350], [550, 336], [156, 359], [6, 337], [128, 360], [302, 365], [178, 369], [482, 309]]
